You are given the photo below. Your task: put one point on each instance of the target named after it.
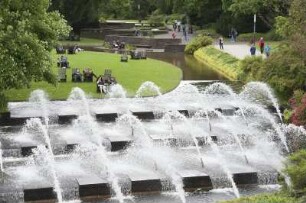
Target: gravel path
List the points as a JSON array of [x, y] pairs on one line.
[[238, 50]]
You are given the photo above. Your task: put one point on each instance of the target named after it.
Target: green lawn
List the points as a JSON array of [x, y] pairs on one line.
[[130, 75]]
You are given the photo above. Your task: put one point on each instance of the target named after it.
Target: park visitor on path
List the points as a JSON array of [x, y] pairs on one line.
[[267, 50], [261, 44], [253, 49], [221, 42]]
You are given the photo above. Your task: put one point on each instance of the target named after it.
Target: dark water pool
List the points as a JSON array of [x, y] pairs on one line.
[[191, 67], [213, 196]]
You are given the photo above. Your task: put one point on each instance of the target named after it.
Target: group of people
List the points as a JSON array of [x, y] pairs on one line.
[[118, 45], [264, 48], [104, 83], [177, 27]]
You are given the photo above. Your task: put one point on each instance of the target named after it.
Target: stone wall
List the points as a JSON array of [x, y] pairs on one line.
[[175, 48], [101, 33], [156, 43]]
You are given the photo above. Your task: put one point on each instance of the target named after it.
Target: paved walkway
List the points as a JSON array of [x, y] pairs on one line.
[[239, 50]]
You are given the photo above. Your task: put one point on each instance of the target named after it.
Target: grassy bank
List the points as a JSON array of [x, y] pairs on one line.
[[130, 75], [264, 198], [222, 62]]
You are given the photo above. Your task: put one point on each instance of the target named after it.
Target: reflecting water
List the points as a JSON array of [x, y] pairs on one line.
[[212, 196], [191, 67]]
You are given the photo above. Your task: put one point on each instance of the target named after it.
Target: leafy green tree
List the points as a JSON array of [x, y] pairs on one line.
[[79, 12], [27, 35], [267, 10]]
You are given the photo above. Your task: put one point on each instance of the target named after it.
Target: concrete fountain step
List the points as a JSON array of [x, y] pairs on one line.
[[66, 118], [193, 180], [94, 188], [37, 191], [117, 143]]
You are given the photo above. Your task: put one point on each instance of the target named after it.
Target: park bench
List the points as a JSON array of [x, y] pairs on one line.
[[76, 75], [107, 73], [60, 50], [62, 77], [124, 57], [72, 50]]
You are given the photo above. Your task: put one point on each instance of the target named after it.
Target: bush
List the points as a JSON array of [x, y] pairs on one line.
[[296, 169], [208, 32], [250, 66], [270, 36], [198, 42], [156, 18], [298, 104], [284, 70]]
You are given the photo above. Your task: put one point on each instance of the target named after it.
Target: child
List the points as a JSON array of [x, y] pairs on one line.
[[221, 42], [267, 50], [253, 50]]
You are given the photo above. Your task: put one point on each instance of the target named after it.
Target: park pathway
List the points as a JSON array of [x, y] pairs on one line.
[[238, 50]]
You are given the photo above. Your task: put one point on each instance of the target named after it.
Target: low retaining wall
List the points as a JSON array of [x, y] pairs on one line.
[[102, 33], [156, 43], [175, 48]]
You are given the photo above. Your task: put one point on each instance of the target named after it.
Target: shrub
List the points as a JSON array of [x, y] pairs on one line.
[[250, 66], [296, 169], [284, 70], [269, 36], [208, 32], [198, 42], [298, 104], [156, 19]]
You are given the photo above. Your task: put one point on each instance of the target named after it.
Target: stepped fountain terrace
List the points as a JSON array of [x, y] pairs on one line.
[[190, 145]]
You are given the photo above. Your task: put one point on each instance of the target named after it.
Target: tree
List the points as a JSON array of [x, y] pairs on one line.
[[293, 27], [267, 10], [79, 13], [27, 35]]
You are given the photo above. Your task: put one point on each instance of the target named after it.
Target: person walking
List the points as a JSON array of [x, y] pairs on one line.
[[173, 34], [221, 42], [267, 50], [253, 50], [261, 44]]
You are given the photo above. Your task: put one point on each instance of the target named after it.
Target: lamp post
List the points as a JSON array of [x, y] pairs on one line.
[[254, 28], [138, 6]]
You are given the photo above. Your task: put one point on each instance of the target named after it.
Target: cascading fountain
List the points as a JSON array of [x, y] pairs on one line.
[[266, 115], [108, 152], [1, 160], [145, 143], [116, 91], [148, 87], [41, 98], [177, 115], [259, 88], [77, 94], [223, 88], [36, 123], [216, 150], [88, 123]]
